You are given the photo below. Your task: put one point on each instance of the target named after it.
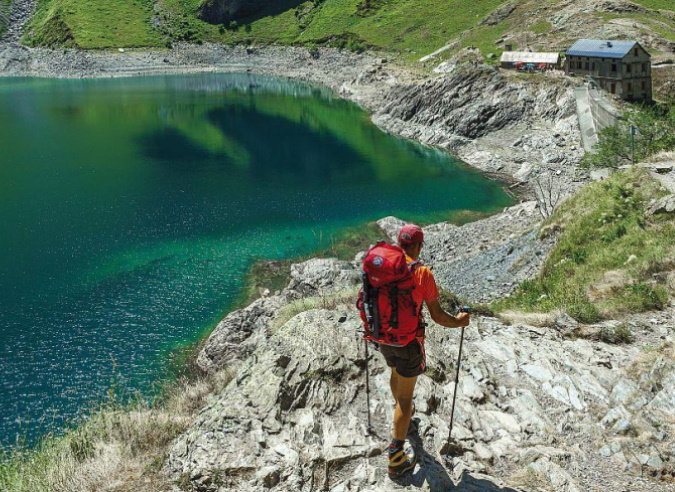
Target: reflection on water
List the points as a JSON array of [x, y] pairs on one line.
[[131, 209]]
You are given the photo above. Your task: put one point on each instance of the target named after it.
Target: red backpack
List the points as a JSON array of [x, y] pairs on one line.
[[388, 310]]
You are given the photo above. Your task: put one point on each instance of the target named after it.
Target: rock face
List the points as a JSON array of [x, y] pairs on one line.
[[535, 407], [242, 330], [219, 11], [294, 417], [665, 205], [19, 14], [471, 102], [497, 124], [483, 260]]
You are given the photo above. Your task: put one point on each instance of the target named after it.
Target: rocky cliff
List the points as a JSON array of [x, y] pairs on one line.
[[220, 11], [492, 119], [539, 407]]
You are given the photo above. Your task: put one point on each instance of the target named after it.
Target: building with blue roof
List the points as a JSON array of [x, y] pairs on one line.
[[619, 67]]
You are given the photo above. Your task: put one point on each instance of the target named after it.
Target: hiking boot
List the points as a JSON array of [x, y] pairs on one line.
[[401, 461]]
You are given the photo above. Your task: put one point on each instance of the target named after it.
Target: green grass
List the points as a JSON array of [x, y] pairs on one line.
[[603, 226], [657, 4], [411, 27], [654, 23], [92, 24], [541, 27]]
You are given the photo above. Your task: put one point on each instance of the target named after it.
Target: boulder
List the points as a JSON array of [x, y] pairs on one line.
[[321, 277], [664, 205]]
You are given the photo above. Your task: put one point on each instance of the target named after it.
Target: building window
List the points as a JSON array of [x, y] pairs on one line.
[[587, 66], [644, 85], [630, 87], [635, 52], [629, 68], [644, 68], [613, 67], [593, 66]]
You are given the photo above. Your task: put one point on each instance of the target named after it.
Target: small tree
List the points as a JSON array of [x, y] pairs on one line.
[[548, 193], [655, 132]]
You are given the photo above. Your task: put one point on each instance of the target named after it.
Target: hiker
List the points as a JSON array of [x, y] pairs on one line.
[[399, 335]]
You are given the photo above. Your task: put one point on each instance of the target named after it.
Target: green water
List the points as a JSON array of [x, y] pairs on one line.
[[131, 209]]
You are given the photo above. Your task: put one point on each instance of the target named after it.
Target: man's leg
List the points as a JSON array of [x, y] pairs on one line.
[[405, 388], [393, 383]]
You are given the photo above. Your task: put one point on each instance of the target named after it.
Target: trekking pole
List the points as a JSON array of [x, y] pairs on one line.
[[370, 429], [465, 309]]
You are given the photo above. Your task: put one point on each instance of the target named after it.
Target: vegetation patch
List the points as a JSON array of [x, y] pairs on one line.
[[603, 228], [617, 146], [452, 304], [369, 7], [92, 24], [656, 4], [616, 334], [330, 302], [130, 440], [413, 28]]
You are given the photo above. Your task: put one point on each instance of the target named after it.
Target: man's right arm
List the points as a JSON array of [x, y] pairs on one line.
[[444, 319]]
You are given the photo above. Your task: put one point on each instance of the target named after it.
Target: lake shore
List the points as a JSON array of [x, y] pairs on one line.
[[510, 129]]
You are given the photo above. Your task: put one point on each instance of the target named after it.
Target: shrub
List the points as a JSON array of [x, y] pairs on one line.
[[616, 334], [655, 133]]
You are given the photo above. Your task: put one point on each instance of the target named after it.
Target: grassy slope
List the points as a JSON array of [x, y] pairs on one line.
[[603, 227], [93, 24], [413, 28]]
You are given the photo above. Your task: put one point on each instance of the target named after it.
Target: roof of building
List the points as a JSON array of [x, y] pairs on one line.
[[601, 48], [530, 57]]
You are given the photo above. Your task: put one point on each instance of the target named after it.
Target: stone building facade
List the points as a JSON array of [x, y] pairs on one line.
[[619, 67]]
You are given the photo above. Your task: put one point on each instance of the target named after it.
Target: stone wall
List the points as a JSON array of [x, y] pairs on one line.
[[603, 111]]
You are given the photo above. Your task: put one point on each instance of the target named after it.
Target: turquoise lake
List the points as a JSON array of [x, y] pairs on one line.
[[131, 210]]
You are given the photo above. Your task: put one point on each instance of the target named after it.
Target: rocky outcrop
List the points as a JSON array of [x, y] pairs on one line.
[[538, 407], [487, 259], [14, 22], [237, 336], [321, 277], [502, 126], [665, 205], [569, 411], [471, 102], [220, 11]]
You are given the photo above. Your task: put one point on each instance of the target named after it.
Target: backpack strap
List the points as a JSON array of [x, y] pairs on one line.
[[393, 299]]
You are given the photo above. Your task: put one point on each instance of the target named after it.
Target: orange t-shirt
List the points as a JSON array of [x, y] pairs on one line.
[[425, 285]]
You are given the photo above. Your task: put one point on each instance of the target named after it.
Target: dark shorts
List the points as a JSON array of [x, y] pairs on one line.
[[409, 361]]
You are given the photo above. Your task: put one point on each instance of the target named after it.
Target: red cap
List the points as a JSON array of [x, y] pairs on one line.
[[410, 234]]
